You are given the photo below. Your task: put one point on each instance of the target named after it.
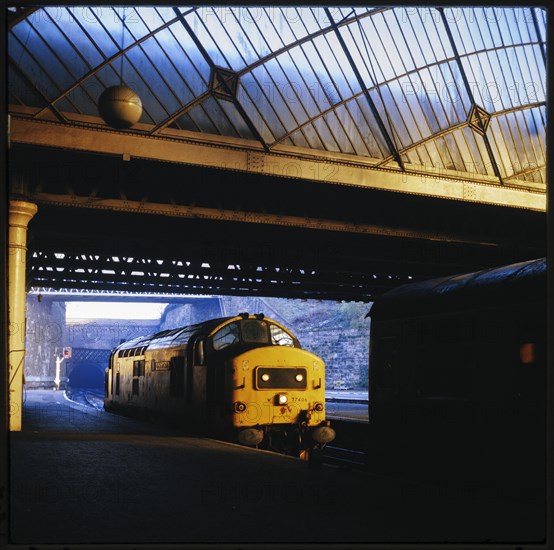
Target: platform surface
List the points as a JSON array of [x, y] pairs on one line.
[[80, 475]]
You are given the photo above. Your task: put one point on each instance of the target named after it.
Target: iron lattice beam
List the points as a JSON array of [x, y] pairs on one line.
[[91, 271]]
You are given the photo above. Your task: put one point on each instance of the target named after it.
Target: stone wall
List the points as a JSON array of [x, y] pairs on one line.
[[47, 333], [44, 333], [345, 354], [192, 311], [338, 333]]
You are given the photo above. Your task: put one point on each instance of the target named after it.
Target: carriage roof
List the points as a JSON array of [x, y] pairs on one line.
[[515, 283]]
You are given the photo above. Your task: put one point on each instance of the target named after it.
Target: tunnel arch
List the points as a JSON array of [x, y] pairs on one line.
[[86, 375]]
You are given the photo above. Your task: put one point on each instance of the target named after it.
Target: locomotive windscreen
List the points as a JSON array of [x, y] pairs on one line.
[[251, 331]]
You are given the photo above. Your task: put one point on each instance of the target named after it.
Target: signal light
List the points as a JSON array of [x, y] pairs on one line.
[[240, 406]]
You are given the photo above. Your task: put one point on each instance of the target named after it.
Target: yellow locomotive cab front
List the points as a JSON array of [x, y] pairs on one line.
[[277, 387]]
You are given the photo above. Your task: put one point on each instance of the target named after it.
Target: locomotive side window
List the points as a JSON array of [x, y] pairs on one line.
[[226, 336], [138, 368], [279, 337]]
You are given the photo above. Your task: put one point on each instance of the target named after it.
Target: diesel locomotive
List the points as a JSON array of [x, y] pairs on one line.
[[244, 379], [457, 369]]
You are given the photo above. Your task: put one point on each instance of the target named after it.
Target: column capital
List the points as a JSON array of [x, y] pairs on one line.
[[21, 212]]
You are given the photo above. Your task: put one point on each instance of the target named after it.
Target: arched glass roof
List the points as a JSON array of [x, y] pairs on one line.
[[405, 88]]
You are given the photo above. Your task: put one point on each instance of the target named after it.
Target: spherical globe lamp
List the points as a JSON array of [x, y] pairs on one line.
[[120, 106]]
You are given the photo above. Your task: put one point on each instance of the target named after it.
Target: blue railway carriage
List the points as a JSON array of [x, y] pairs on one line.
[[457, 369], [243, 378]]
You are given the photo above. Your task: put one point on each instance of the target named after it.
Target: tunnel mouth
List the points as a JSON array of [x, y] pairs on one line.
[[88, 375]]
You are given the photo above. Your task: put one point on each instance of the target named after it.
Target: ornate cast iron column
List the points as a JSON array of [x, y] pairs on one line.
[[20, 214]]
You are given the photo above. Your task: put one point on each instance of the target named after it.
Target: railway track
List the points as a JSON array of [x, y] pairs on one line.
[[94, 400], [344, 458], [89, 397]]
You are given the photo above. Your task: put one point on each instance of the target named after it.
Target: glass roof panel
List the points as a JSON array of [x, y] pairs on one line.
[[535, 122], [186, 51], [183, 55], [455, 159], [426, 155], [235, 119], [220, 117], [330, 73], [214, 34], [387, 102], [197, 119], [84, 21], [34, 54], [536, 86], [369, 127], [329, 130], [503, 146], [299, 139], [58, 44], [272, 104], [289, 24], [534, 156], [142, 74], [400, 27], [464, 150], [453, 93], [33, 75], [290, 78], [372, 49], [174, 89], [312, 137], [295, 82], [479, 161], [431, 35]]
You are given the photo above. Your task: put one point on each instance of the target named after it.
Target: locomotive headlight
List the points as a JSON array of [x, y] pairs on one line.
[[318, 407], [282, 399], [265, 377], [299, 377]]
